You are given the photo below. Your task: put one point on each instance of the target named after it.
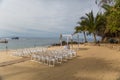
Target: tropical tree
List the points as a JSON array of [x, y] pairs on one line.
[[104, 25], [94, 24], [112, 14], [81, 28], [107, 9], [101, 25], [113, 19]]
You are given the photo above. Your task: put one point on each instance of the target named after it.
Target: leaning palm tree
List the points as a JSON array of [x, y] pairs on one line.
[[101, 25], [84, 29], [89, 22], [93, 23], [81, 28]]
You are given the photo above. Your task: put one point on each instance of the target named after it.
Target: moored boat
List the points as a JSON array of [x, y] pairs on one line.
[[3, 41]]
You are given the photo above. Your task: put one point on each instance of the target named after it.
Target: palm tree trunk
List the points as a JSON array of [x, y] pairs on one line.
[[85, 37], [95, 40]]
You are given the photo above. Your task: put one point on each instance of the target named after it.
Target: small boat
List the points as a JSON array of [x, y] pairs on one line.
[[16, 38], [3, 41]]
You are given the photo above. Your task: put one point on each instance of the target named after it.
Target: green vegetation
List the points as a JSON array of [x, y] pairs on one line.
[[106, 24]]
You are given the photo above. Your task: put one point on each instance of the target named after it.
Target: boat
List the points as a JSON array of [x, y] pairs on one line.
[[3, 41], [16, 38]]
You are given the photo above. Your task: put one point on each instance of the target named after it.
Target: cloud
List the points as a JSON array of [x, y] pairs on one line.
[[42, 17]]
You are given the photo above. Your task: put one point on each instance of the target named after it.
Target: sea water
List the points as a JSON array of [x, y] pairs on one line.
[[28, 43], [34, 42]]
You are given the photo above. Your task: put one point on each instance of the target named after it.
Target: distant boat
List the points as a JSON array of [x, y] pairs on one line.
[[16, 38], [3, 41]]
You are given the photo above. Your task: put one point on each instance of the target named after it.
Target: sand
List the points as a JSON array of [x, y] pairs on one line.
[[7, 56], [92, 63]]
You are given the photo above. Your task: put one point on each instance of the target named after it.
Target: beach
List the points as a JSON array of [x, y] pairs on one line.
[[91, 63], [60, 40]]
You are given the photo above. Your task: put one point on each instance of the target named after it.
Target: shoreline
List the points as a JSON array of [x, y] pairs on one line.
[[54, 45]]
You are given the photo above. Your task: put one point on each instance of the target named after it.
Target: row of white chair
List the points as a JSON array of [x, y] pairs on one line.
[[27, 52], [52, 57], [45, 56]]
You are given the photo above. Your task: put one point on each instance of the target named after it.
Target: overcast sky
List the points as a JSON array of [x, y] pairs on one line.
[[42, 18]]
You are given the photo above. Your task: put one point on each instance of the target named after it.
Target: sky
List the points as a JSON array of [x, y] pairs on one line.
[[42, 18]]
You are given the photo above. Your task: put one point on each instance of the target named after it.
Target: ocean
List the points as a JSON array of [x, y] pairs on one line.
[[33, 42], [28, 43]]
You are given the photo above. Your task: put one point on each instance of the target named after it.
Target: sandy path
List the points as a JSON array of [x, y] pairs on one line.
[[92, 63]]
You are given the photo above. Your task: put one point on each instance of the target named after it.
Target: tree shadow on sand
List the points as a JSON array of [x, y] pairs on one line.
[[0, 78]]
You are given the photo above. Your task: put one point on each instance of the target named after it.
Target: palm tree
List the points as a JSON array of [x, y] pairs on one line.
[[93, 23], [89, 22], [81, 28], [101, 25], [112, 13]]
